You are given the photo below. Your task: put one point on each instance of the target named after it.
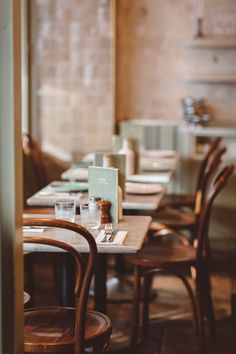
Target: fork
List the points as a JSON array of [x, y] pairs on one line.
[[108, 228]]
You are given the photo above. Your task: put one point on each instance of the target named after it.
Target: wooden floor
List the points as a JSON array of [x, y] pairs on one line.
[[171, 330]]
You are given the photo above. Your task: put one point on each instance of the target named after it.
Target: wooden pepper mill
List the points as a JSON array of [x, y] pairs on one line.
[[105, 211]]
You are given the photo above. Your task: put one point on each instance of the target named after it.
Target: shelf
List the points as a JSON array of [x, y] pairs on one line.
[[224, 42], [210, 132], [211, 78]]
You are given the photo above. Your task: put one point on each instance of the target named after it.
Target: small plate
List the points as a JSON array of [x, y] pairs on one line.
[[156, 166], [143, 189], [68, 187], [26, 297]]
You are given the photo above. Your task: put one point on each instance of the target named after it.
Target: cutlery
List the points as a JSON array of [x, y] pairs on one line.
[[107, 231], [114, 232]]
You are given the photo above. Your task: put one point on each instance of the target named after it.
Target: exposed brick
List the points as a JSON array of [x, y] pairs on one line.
[[72, 51]]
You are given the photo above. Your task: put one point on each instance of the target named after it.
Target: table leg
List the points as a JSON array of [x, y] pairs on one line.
[[100, 277], [66, 280]]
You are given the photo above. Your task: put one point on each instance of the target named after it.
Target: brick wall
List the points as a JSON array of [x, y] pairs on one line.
[[72, 64], [71, 51]]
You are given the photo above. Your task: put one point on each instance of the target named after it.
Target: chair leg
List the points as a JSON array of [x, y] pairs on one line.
[[200, 310], [136, 306], [29, 283], [209, 310], [101, 346], [147, 281], [192, 301]]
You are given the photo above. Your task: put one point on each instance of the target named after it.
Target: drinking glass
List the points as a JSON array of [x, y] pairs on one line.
[[65, 209], [90, 215]]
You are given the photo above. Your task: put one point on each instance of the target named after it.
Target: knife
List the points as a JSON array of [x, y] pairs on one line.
[[114, 232]]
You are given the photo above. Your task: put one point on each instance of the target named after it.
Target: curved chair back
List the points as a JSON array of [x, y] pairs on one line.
[[212, 148], [219, 183], [33, 153], [83, 273], [210, 169]]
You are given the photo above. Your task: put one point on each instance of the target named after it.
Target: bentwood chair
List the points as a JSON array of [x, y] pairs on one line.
[[39, 170], [175, 258], [34, 164], [187, 219], [188, 200], [65, 329]]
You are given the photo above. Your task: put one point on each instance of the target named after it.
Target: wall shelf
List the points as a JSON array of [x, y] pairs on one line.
[[224, 42], [211, 78]]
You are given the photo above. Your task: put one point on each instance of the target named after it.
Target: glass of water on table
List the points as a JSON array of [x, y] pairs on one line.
[[65, 209], [90, 215]]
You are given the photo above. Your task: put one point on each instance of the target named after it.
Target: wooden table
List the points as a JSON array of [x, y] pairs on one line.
[[81, 174], [131, 202], [156, 166], [136, 226]]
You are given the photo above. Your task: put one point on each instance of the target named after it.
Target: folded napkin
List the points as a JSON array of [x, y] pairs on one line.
[[35, 229], [51, 193], [60, 195], [118, 238], [75, 173], [58, 186]]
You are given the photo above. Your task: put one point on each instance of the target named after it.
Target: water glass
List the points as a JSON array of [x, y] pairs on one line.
[[65, 209], [90, 215]]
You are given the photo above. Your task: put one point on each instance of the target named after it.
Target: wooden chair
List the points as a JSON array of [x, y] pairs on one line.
[[174, 258], [182, 218], [40, 168], [63, 329], [188, 200], [33, 155]]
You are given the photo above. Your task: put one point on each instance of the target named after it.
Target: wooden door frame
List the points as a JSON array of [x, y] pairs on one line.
[[11, 255]]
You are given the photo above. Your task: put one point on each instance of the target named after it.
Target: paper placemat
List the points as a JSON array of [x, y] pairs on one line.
[[118, 238]]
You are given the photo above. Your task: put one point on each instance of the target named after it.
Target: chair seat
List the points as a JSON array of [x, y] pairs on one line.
[[53, 328], [177, 200], [163, 255], [174, 218]]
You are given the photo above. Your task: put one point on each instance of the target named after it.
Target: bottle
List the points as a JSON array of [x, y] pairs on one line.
[[107, 160], [93, 201], [130, 156]]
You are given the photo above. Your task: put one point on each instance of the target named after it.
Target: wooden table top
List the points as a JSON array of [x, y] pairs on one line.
[[156, 166], [81, 174], [136, 227]]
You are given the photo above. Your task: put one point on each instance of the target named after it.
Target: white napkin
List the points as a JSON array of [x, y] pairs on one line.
[[28, 229], [75, 173], [52, 193], [118, 238]]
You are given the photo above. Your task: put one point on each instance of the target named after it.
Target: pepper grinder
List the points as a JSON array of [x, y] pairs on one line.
[[105, 211]]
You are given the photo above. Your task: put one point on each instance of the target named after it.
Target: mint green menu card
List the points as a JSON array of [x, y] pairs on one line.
[[103, 183], [117, 161]]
